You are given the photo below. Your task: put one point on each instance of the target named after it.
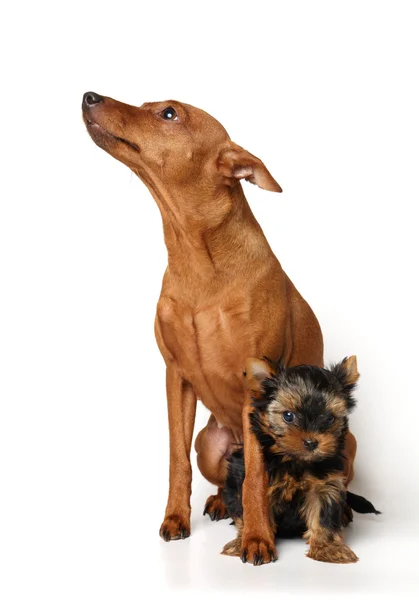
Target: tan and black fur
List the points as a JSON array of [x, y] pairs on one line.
[[300, 418]]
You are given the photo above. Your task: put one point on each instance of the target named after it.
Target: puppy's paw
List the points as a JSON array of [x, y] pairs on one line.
[[175, 527], [333, 553], [215, 508], [258, 551], [232, 548]]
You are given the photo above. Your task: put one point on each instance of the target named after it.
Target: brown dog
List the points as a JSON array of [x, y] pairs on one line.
[[224, 297]]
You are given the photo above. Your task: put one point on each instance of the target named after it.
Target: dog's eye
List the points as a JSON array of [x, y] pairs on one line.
[[330, 419], [288, 416], [169, 114]]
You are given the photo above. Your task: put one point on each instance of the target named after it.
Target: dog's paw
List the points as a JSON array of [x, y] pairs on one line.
[[215, 508], [332, 553], [175, 527], [258, 551]]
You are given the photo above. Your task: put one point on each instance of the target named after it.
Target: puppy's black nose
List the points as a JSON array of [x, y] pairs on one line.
[[90, 99], [311, 444]]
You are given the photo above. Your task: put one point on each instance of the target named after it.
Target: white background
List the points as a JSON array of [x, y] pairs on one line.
[[326, 93]]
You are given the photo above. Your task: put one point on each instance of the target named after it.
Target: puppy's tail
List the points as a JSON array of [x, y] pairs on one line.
[[360, 504]]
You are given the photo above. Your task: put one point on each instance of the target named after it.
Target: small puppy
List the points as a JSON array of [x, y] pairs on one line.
[[300, 418]]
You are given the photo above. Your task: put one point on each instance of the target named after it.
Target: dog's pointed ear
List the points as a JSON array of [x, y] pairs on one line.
[[257, 370], [235, 163]]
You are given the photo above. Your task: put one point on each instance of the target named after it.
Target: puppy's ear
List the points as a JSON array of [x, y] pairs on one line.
[[235, 163], [346, 375], [349, 369], [257, 370]]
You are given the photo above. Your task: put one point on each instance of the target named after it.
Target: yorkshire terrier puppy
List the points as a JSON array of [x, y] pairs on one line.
[[300, 418]]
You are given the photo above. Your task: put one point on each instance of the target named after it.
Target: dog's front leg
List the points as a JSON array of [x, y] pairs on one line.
[[181, 404], [258, 538]]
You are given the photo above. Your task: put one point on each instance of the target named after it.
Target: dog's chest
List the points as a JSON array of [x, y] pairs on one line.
[[209, 346]]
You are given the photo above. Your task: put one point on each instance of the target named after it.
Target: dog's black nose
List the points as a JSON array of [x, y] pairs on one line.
[[90, 99], [311, 444]]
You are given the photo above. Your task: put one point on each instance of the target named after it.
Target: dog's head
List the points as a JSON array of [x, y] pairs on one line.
[[171, 144], [302, 412]]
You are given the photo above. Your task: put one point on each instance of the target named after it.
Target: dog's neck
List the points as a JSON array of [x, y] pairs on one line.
[[213, 236]]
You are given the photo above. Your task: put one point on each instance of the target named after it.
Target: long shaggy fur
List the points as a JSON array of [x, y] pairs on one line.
[[300, 419]]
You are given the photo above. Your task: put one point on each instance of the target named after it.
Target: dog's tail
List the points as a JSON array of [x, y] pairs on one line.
[[360, 504]]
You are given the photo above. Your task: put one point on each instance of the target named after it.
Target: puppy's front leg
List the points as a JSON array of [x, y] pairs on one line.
[[181, 404], [258, 539], [322, 510]]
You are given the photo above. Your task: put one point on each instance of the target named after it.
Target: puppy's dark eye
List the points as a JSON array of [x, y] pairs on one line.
[[169, 114], [288, 416], [330, 419]]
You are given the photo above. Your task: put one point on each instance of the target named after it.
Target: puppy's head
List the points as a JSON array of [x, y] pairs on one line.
[[302, 411]]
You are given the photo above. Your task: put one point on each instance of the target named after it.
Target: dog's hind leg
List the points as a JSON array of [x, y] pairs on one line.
[[213, 446], [215, 507]]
